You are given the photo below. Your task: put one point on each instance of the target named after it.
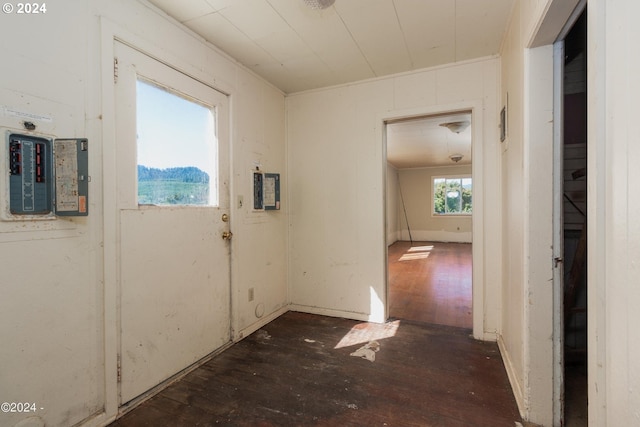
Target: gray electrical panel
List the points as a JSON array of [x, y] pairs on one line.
[[266, 191], [47, 176], [30, 176], [258, 202]]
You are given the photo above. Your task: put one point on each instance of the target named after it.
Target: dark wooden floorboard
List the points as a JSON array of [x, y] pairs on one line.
[[297, 371], [431, 282]]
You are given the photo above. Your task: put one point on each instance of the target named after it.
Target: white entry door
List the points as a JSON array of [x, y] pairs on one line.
[[172, 155]]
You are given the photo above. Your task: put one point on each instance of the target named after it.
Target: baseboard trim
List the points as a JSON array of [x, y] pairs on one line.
[[364, 317], [513, 378], [489, 336], [438, 236], [241, 334]]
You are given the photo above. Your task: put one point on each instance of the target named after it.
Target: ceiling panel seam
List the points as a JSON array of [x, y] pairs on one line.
[[404, 36], [357, 44], [252, 41], [302, 38]]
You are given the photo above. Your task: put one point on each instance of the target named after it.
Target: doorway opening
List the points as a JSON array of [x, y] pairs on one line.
[[574, 224], [429, 219]]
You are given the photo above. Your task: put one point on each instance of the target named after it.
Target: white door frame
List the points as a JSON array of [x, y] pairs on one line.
[[558, 233], [558, 215], [477, 174]]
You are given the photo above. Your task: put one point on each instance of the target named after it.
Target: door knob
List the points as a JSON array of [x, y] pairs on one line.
[[227, 235]]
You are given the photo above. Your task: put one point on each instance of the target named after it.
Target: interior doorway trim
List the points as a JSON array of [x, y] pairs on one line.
[[558, 234], [477, 174], [558, 216]]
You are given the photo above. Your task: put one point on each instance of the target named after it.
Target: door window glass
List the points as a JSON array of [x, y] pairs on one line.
[[177, 149]]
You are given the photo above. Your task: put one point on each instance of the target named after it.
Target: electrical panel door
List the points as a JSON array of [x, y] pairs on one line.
[[71, 158], [271, 193]]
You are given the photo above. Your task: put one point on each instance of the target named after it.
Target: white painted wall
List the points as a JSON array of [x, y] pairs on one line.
[[394, 212], [511, 339], [613, 207], [259, 244], [336, 174], [58, 313], [417, 189], [51, 320], [526, 339]]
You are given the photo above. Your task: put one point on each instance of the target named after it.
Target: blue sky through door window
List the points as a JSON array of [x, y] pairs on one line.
[[176, 149]]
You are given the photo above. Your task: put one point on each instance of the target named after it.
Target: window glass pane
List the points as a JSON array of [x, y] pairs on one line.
[[177, 149], [452, 196], [466, 195], [439, 195]]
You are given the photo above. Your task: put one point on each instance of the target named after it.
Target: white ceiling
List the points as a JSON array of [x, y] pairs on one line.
[[297, 48], [424, 142]]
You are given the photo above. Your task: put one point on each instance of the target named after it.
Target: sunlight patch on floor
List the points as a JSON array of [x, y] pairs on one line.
[[420, 248], [412, 257], [417, 252], [366, 332]]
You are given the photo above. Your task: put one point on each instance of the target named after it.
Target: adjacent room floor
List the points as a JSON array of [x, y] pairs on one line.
[[431, 282], [299, 370]]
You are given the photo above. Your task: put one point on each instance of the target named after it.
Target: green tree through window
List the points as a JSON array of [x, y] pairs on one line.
[[452, 196]]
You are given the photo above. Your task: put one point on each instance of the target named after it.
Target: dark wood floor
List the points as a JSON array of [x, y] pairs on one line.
[[431, 282], [576, 411], [297, 371]]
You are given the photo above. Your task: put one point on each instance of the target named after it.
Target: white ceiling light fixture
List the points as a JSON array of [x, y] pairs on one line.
[[456, 157], [319, 4], [456, 127]]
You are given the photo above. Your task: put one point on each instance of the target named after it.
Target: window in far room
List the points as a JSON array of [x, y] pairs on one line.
[[452, 195]]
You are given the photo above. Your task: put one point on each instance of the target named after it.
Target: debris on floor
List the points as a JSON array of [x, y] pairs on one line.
[[262, 335], [367, 351]]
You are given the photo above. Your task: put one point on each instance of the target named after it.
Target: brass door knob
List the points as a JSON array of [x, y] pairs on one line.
[[227, 235]]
